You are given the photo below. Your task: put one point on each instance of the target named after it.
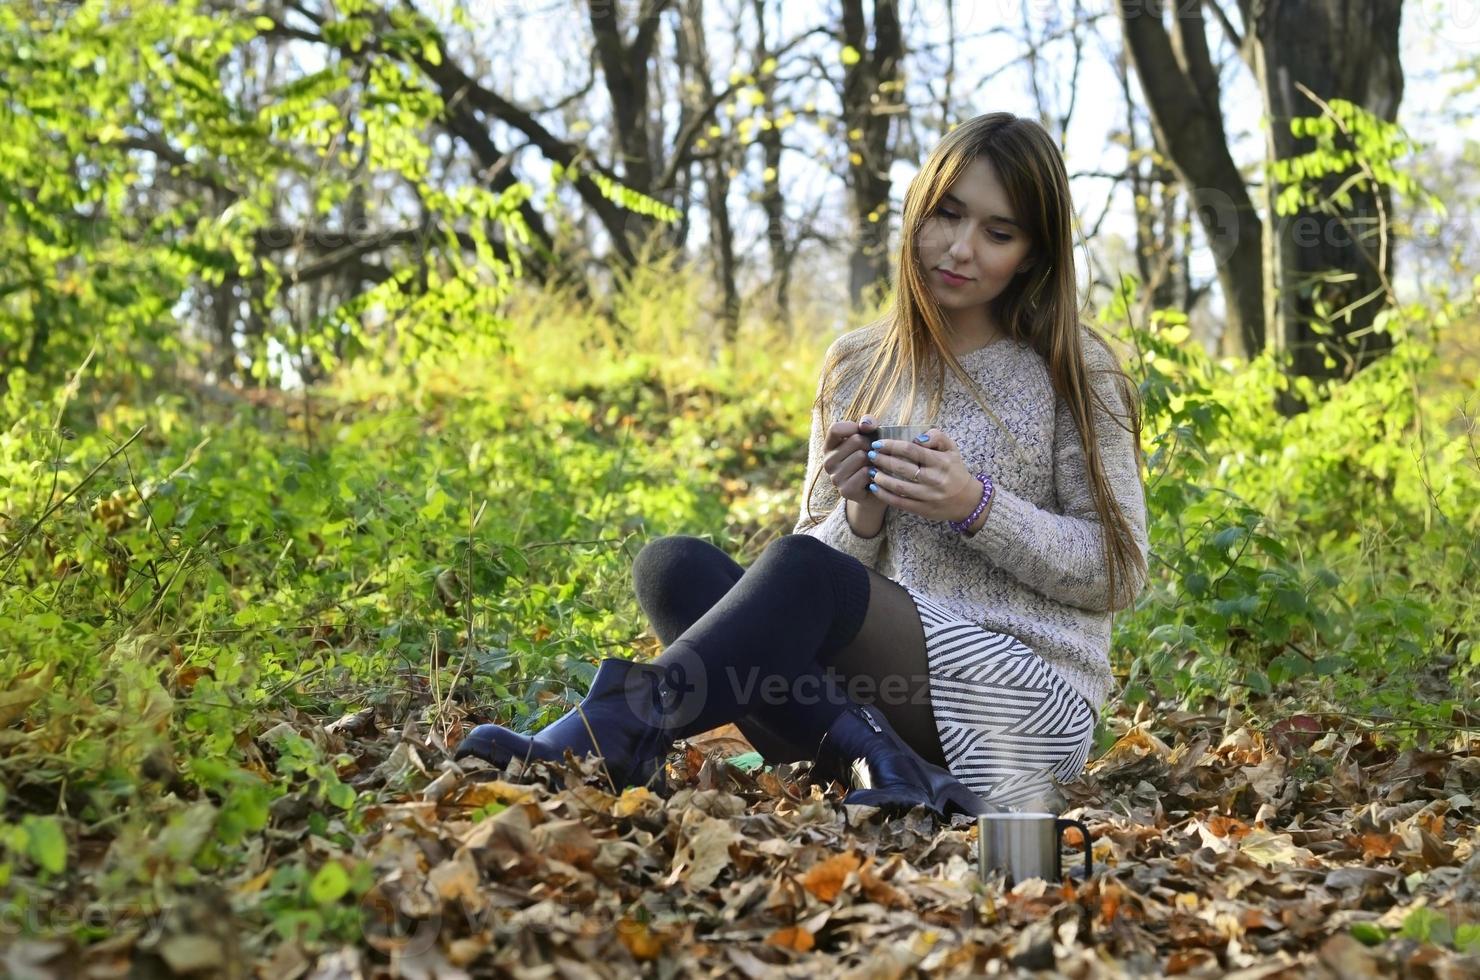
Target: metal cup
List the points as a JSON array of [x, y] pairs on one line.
[[904, 433], [1025, 845]]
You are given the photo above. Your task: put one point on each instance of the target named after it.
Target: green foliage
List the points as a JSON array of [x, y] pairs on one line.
[[1442, 928], [1351, 143], [1324, 554], [141, 183], [463, 526], [226, 567]]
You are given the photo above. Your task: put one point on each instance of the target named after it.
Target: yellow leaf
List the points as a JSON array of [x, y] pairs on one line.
[[768, 66], [1270, 849], [1134, 745], [641, 942], [825, 879], [769, 175], [856, 159], [633, 798], [1177, 334], [494, 791], [850, 55], [255, 883]]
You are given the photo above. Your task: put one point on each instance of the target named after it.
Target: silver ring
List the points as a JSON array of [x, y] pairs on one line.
[[916, 477]]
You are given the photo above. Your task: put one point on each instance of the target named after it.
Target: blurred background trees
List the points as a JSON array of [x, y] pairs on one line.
[[276, 186]]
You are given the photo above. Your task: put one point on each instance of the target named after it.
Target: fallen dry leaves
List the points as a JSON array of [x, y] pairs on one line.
[[1220, 850]]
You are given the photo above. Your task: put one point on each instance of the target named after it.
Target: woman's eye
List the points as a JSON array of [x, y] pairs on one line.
[[946, 213], [999, 237]]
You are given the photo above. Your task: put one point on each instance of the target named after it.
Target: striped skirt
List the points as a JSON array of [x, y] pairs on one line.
[[1009, 724]]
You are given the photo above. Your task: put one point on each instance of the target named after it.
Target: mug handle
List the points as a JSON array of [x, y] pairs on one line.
[[1064, 823]]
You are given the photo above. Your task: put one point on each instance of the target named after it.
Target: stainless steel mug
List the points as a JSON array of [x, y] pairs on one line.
[[904, 433], [1025, 845]]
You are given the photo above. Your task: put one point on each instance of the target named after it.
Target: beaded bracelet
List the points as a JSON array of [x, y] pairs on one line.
[[960, 526]]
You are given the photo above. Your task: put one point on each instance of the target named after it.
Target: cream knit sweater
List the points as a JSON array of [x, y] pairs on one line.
[[1036, 569]]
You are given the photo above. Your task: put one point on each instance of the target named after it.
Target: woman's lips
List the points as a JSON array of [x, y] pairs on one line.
[[951, 279]]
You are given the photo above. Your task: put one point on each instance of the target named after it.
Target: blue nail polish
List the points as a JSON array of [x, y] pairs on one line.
[[872, 472], [879, 444], [923, 437], [872, 454], [872, 488]]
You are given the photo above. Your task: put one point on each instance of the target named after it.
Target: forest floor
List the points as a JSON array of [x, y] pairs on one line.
[[1219, 850]]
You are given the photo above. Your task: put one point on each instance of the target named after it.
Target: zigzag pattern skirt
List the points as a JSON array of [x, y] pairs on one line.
[[1009, 724]]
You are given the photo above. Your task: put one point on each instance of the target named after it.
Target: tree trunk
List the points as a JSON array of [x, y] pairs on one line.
[[1329, 271], [723, 235], [624, 67], [1156, 246], [771, 201], [694, 57], [1182, 93], [870, 99]]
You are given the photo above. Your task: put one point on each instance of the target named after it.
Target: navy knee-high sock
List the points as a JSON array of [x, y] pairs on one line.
[[677, 579], [757, 647]]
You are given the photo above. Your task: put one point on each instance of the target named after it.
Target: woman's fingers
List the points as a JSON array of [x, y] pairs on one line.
[[840, 432], [846, 460], [899, 457]]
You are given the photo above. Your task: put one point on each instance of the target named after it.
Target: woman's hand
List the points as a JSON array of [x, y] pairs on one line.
[[929, 479], [845, 459]]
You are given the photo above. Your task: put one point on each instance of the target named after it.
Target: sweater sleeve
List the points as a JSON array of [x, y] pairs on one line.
[[1062, 555], [834, 527]]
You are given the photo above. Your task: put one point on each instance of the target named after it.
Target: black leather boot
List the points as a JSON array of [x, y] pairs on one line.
[[627, 718], [863, 752]]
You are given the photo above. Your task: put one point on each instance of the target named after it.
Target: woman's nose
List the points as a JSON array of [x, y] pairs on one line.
[[961, 248]]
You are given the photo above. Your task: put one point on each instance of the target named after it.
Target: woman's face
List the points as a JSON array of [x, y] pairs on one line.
[[972, 246]]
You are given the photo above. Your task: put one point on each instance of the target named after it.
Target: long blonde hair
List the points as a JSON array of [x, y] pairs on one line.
[[1040, 308]]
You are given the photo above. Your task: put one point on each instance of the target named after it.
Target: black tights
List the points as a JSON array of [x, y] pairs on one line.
[[859, 639]]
